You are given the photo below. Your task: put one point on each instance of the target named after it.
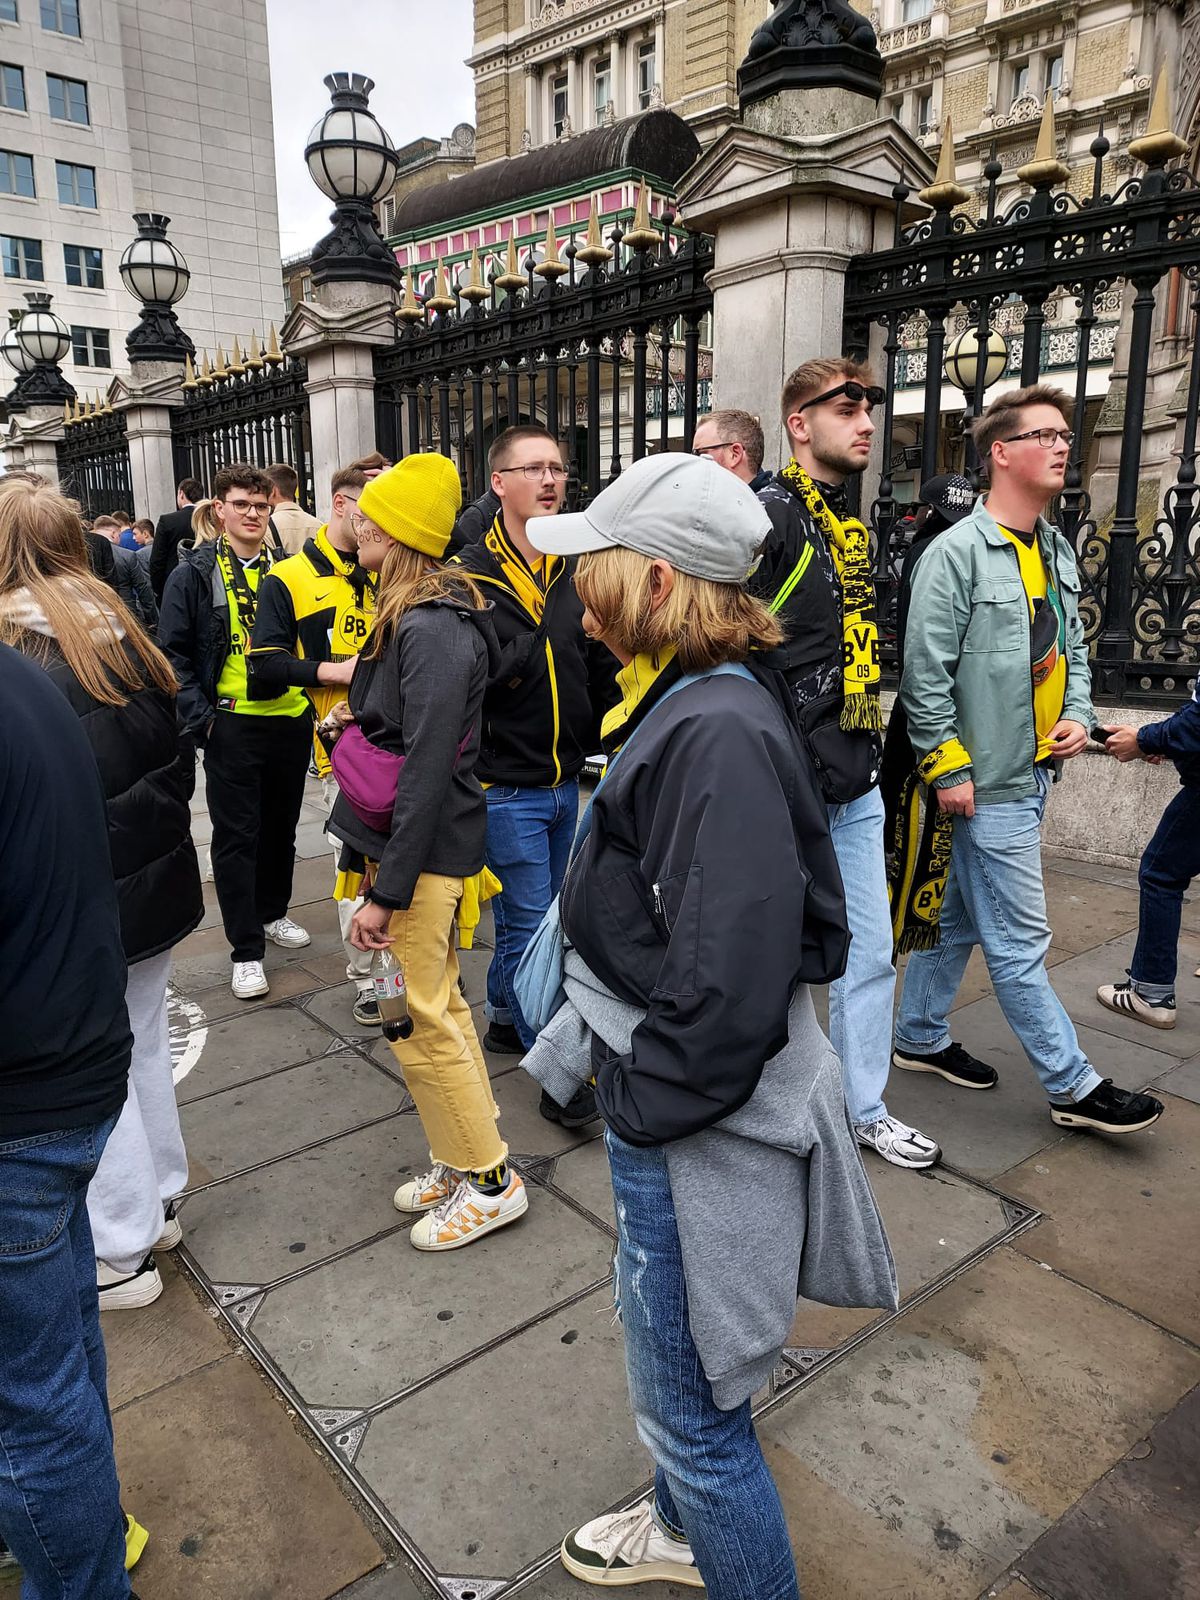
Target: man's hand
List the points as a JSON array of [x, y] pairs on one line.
[[369, 928], [959, 801], [1122, 743], [1069, 739], [337, 674]]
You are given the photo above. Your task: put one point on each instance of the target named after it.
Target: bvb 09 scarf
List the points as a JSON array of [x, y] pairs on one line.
[[850, 547]]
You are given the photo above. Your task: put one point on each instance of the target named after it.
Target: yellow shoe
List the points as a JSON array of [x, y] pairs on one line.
[[136, 1540], [428, 1190], [467, 1215]]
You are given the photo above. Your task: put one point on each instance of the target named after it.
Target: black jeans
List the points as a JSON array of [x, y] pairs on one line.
[[1169, 863], [254, 770]]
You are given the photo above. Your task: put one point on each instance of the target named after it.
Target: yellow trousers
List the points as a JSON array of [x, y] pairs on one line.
[[442, 1063]]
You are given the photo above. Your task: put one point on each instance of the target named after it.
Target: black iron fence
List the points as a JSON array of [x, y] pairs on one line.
[[93, 463], [1140, 570], [253, 409], [604, 346]]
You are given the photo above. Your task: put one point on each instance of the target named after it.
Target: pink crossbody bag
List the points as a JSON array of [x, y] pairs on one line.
[[368, 776]]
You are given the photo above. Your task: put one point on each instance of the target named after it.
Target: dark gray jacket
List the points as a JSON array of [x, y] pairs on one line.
[[421, 698]]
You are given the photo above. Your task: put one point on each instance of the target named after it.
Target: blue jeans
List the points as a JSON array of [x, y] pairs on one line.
[[712, 1485], [60, 1506], [995, 898], [1169, 863], [860, 1002], [529, 838]]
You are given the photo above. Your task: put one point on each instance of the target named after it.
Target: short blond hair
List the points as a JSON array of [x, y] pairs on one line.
[[707, 623], [1003, 417]]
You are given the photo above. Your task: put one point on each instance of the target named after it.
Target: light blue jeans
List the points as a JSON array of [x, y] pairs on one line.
[[712, 1485], [529, 837], [995, 898], [860, 1002]]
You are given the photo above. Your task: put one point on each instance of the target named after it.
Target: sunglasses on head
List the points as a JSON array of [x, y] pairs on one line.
[[853, 390]]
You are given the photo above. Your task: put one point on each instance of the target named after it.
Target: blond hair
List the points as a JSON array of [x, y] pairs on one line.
[[409, 578], [205, 527], [706, 623], [1003, 417], [43, 551]]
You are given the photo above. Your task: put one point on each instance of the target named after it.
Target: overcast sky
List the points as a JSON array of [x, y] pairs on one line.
[[413, 51]]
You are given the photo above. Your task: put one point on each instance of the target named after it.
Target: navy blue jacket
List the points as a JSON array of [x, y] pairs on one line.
[[1178, 739]]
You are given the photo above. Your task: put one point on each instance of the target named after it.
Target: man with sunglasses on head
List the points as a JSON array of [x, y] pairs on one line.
[[816, 576], [537, 718], [997, 689], [256, 751]]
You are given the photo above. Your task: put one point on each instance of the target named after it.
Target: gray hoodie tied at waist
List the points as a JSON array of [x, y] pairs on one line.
[[816, 1228]]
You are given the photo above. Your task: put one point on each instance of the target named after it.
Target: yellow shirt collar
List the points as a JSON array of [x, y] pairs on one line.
[[635, 682]]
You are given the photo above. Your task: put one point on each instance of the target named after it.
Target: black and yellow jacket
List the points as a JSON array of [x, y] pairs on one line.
[[316, 606], [537, 713]]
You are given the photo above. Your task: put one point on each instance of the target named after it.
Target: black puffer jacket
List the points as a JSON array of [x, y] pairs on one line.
[[194, 630], [145, 783]]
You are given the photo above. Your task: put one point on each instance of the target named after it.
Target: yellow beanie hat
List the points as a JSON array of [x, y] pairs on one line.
[[415, 502]]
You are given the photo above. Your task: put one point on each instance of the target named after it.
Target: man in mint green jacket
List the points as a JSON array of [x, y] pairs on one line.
[[997, 691]]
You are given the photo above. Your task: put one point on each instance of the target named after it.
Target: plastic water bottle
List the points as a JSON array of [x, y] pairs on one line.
[[391, 995]]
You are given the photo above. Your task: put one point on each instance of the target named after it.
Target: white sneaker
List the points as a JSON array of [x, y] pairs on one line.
[[283, 931], [1124, 999], [896, 1142], [208, 871], [466, 1215], [628, 1547], [172, 1235], [427, 1191], [249, 980], [127, 1291]]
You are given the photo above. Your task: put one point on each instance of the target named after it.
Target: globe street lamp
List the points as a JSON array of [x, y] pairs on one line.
[[157, 276], [964, 369], [16, 358], [352, 160], [43, 340]]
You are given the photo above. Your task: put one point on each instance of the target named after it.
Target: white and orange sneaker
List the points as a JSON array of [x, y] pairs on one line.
[[467, 1214], [428, 1190]]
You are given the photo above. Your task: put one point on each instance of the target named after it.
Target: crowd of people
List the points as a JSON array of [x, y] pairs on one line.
[[444, 671]]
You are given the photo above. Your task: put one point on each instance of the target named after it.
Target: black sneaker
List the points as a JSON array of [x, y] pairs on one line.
[[366, 1010], [1109, 1110], [579, 1110], [953, 1063], [502, 1039]]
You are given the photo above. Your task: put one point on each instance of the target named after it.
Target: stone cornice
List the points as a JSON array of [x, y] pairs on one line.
[[311, 326], [573, 26]]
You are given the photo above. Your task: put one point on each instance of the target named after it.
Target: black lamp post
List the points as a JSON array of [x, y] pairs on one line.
[[157, 276], [43, 340], [353, 161], [16, 358]]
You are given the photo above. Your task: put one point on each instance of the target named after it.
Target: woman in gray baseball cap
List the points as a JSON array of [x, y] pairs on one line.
[[702, 899]]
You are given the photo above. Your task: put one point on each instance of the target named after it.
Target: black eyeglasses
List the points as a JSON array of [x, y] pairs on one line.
[[1046, 437], [706, 449], [853, 390]]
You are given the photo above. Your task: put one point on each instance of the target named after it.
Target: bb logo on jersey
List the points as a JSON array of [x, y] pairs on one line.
[[354, 629]]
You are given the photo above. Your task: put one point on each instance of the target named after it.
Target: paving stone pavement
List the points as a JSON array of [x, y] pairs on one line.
[[313, 1409]]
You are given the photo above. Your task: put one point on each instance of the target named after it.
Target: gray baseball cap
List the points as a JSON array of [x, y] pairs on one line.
[[672, 507]]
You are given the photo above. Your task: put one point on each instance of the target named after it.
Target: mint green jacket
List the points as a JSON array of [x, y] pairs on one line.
[[967, 687]]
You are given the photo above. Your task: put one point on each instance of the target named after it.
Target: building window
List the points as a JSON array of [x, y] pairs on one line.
[[914, 10], [1054, 74], [306, 288], [602, 84], [84, 266], [558, 104], [76, 184], [61, 16], [12, 88], [16, 174], [22, 258], [8, 10], [647, 73], [924, 111], [68, 99], [387, 215], [1020, 80], [89, 347]]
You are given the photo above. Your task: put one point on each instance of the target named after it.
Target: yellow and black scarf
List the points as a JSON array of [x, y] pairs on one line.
[[850, 548], [916, 846]]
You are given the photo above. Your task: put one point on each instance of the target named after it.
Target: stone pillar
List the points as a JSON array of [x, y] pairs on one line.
[[33, 440], [338, 334], [789, 213], [147, 398]]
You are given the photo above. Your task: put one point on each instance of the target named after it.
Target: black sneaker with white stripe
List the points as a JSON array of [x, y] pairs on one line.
[[953, 1063], [1109, 1110]]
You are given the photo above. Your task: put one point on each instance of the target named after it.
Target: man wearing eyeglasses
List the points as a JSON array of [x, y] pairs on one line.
[[537, 716], [734, 440], [256, 751], [816, 576], [997, 689]]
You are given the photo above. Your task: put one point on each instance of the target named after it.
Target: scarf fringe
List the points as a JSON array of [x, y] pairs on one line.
[[918, 939], [861, 712]]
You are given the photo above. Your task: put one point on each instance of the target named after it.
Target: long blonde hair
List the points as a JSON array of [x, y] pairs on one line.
[[205, 527], [706, 623], [43, 552], [408, 578]]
